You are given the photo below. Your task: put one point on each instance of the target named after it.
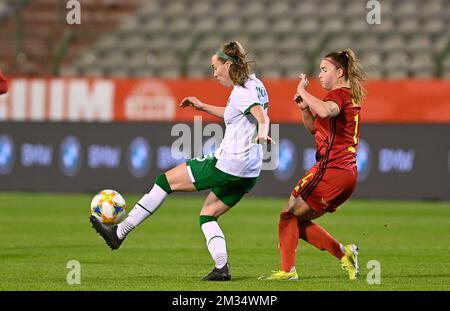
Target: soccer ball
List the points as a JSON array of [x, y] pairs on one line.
[[109, 207]]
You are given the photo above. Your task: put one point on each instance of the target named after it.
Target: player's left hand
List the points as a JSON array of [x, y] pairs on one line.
[[192, 101], [265, 140]]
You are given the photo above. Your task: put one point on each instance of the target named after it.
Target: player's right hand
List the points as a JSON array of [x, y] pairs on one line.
[[191, 101], [303, 83]]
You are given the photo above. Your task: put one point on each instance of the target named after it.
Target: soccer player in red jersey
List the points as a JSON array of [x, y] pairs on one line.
[[334, 122], [3, 84]]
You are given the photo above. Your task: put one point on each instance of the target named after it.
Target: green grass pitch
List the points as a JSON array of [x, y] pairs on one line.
[[40, 233]]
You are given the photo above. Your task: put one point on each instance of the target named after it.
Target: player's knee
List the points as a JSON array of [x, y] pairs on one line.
[[211, 210], [214, 208], [290, 207]]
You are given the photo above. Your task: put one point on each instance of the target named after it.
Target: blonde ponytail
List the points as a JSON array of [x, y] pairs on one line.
[[356, 75]]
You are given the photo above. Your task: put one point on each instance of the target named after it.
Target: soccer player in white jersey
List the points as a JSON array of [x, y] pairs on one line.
[[230, 172]]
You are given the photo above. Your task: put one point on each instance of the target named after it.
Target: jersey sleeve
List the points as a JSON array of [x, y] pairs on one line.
[[246, 99], [337, 97], [3, 84]]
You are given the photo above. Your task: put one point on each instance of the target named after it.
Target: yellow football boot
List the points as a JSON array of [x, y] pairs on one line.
[[281, 276], [350, 261]]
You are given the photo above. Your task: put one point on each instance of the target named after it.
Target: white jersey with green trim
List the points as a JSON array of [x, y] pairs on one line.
[[239, 154]]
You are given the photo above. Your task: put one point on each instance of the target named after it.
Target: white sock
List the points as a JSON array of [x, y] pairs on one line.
[[342, 248], [145, 207], [215, 240]]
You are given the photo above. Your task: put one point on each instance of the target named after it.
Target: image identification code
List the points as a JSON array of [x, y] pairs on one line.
[[224, 300]]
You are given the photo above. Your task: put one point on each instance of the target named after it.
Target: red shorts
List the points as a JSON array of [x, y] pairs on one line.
[[325, 189]]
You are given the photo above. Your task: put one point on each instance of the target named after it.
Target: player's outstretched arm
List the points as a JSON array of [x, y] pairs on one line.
[[197, 104]]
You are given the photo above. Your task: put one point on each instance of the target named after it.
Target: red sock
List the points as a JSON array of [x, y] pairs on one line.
[[320, 238], [288, 235]]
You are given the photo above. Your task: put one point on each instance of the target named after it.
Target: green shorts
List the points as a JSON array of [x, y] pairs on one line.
[[228, 188]]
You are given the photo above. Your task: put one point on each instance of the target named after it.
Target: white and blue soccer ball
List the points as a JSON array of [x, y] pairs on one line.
[[109, 207]]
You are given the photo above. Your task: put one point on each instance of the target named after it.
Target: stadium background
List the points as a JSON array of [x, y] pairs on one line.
[[82, 89], [93, 106]]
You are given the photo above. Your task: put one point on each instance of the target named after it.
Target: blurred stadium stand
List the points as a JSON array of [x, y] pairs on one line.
[[35, 39], [170, 39]]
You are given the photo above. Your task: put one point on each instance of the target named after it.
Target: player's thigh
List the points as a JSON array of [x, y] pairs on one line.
[[299, 208], [332, 190], [213, 206], [204, 174], [179, 179]]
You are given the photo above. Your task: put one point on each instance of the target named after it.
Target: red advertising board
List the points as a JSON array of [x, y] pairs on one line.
[[79, 99]]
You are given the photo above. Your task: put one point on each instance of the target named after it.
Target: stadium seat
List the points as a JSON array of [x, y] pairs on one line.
[[386, 25], [119, 72], [357, 25], [301, 9], [144, 72], [432, 8], [232, 24], [396, 61], [332, 25], [446, 62], [433, 25], [395, 74], [199, 72], [330, 10], [268, 71], [130, 24], [278, 8], [423, 64], [154, 25], [172, 9], [339, 42], [308, 25], [204, 24], [374, 72], [282, 25], [393, 42], [252, 9], [265, 42], [355, 9], [419, 42], [226, 9], [170, 72], [407, 25], [405, 8], [93, 71], [371, 58], [68, 71]]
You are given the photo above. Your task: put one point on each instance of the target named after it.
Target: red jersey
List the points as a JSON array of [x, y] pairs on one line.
[[337, 138], [3, 84]]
